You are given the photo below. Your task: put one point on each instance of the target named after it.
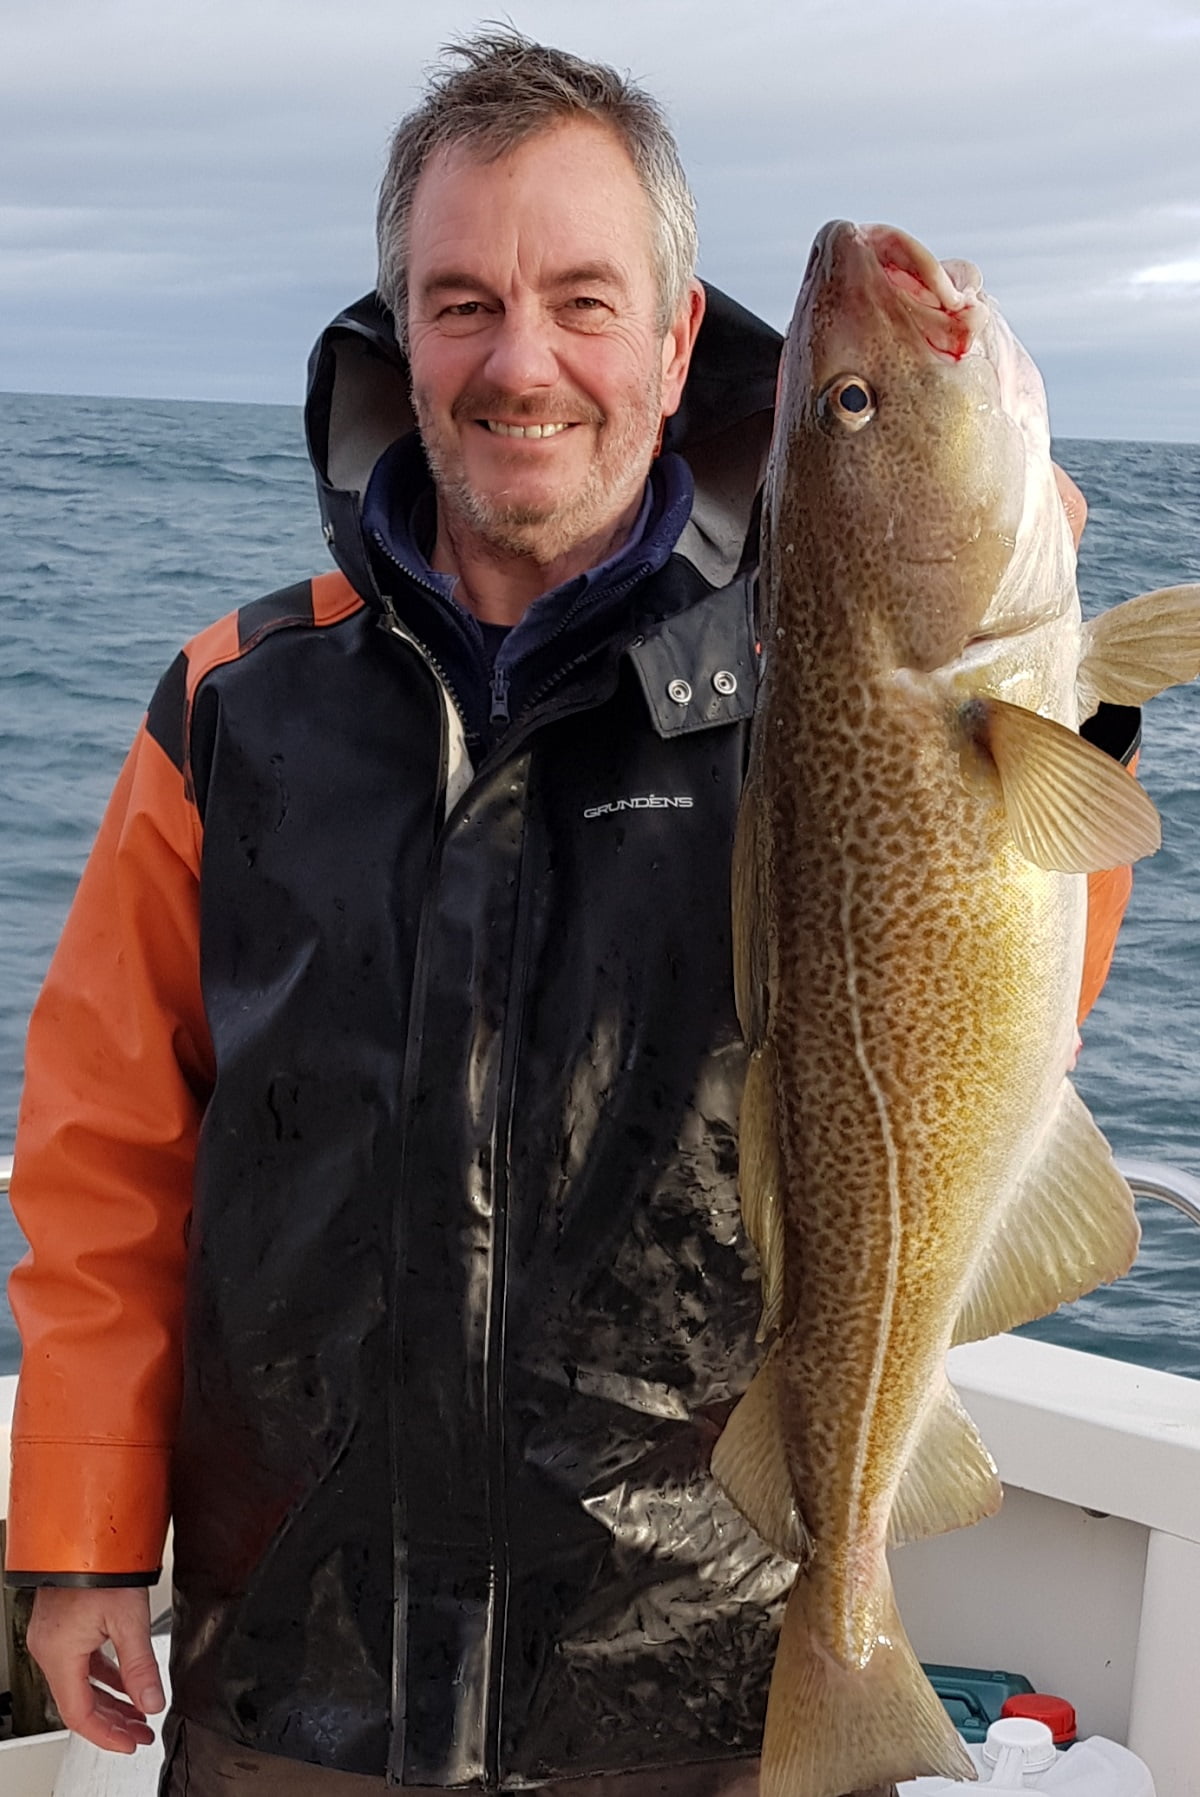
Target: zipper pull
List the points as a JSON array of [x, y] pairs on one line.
[[499, 695]]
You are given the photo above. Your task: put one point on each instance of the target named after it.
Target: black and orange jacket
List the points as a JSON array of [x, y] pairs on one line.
[[378, 1161], [378, 1157]]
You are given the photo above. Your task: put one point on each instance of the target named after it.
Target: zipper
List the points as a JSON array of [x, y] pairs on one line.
[[495, 1340], [446, 695], [572, 612], [618, 592], [494, 1394], [394, 627], [500, 684], [397, 628], [501, 679], [397, 1746]]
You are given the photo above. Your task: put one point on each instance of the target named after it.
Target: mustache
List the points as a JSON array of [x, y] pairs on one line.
[[532, 408]]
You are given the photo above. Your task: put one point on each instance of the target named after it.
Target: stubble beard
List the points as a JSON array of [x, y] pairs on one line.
[[547, 531]]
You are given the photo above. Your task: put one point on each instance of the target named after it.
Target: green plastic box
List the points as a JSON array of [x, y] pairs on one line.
[[973, 1698]]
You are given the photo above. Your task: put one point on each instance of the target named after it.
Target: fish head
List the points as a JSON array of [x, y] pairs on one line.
[[911, 468]]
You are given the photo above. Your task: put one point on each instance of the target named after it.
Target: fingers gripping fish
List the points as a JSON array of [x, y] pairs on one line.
[[910, 908]]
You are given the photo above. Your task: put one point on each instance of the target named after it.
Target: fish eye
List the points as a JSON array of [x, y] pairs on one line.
[[848, 401]]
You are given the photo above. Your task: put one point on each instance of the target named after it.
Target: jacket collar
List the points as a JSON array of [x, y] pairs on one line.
[[561, 628], [358, 406]]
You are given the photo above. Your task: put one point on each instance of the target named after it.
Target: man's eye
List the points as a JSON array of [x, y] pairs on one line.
[[462, 317], [584, 312]]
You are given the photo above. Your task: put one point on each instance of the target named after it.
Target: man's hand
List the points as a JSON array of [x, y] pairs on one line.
[[67, 1632], [1074, 504]]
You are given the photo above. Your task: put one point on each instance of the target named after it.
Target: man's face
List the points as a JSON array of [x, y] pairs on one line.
[[540, 374]]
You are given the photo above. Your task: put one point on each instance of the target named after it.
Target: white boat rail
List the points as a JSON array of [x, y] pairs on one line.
[[1151, 1179]]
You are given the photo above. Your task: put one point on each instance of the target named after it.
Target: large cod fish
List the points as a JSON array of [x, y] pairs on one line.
[[910, 908]]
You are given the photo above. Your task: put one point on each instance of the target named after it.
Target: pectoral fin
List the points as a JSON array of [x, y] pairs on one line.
[[1070, 807], [1069, 1226], [1136, 650], [950, 1480], [749, 1462]]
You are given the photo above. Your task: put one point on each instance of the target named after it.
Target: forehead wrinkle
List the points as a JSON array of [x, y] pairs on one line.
[[599, 273], [451, 279], [599, 227]]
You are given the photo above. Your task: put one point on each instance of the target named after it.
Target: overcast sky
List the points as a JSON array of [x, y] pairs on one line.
[[187, 189]]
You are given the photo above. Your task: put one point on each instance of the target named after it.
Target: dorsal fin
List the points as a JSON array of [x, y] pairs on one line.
[[1134, 651]]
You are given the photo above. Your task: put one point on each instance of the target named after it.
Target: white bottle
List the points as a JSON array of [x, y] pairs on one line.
[[1019, 1755]]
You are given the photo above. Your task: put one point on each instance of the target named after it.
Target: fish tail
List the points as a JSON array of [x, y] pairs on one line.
[[833, 1728]]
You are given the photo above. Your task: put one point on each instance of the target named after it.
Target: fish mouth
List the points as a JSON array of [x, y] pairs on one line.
[[942, 297], [872, 288], [869, 269]]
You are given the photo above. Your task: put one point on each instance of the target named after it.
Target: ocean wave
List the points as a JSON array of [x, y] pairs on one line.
[[134, 525]]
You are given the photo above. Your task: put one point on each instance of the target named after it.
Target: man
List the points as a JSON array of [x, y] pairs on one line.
[[398, 984], [377, 1154]]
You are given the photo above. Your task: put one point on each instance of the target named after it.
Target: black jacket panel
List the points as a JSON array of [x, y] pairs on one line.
[[469, 1297], [468, 1285]]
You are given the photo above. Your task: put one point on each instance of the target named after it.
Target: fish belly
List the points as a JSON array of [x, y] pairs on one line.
[[920, 1016], [908, 982]]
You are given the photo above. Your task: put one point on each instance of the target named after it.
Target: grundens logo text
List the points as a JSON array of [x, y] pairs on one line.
[[650, 801]]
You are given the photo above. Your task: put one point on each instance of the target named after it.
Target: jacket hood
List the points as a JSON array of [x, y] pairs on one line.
[[358, 405]]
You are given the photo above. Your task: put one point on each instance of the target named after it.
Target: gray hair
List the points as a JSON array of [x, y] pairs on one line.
[[507, 90]]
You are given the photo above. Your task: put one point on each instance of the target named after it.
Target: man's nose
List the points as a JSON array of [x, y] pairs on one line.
[[521, 354]]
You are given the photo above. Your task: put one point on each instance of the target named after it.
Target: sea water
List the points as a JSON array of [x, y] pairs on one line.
[[127, 525]]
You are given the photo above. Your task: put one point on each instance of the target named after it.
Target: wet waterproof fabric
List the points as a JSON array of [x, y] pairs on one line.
[[466, 1296], [378, 1159]]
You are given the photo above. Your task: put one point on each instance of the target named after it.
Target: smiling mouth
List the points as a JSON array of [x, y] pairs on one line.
[[524, 430]]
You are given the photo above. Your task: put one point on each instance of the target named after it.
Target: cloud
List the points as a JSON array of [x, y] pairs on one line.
[[1170, 274], [198, 180]]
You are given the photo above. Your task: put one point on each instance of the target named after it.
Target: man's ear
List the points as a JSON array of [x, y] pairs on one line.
[[678, 345]]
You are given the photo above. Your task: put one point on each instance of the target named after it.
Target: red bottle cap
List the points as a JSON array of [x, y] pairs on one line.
[[1055, 1712]]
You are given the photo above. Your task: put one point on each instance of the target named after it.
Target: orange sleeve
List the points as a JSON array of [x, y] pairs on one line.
[[1108, 898], [118, 1070]]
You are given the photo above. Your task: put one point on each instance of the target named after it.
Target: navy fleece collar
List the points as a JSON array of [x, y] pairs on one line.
[[557, 626]]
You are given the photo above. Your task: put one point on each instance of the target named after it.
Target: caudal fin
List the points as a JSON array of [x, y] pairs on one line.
[[833, 1729]]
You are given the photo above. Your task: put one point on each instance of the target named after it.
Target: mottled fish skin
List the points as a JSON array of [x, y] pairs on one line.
[[907, 976], [917, 956]]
